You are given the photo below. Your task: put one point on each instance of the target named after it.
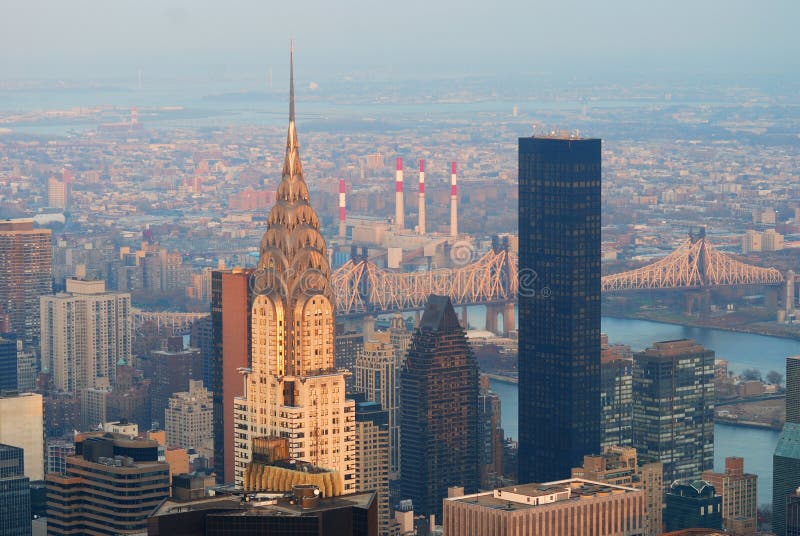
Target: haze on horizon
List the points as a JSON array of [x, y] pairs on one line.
[[245, 38]]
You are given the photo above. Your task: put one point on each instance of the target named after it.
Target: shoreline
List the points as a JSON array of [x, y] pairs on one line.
[[746, 424], [748, 331]]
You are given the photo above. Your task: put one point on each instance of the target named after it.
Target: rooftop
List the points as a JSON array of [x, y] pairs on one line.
[[526, 496]]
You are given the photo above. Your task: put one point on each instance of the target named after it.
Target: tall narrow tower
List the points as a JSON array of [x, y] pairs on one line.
[[559, 329], [421, 227], [293, 389], [399, 211], [453, 201], [342, 210]]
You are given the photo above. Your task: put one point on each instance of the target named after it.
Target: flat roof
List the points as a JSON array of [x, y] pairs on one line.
[[579, 489]]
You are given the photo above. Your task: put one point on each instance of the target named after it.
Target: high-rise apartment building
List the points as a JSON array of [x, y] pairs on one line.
[[559, 305], [377, 373], [490, 437], [15, 493], [189, 420], [58, 193], [438, 410], [619, 466], [673, 407], [86, 332], [26, 272], [372, 455], [738, 490], [231, 304], [93, 405], [22, 425], [110, 486], [562, 508], [292, 388]]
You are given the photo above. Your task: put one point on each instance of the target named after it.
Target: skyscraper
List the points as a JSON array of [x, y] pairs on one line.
[[559, 305], [8, 364], [377, 377], [786, 459], [673, 407], [26, 272], [231, 303], [372, 454], [86, 331], [438, 410], [292, 388]]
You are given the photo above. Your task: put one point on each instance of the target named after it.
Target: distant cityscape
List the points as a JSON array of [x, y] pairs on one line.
[[413, 312]]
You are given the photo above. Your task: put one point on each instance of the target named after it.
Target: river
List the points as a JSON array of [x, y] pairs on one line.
[[742, 351]]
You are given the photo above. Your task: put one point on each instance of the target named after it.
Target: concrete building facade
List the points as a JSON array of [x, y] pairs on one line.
[[86, 331], [22, 425]]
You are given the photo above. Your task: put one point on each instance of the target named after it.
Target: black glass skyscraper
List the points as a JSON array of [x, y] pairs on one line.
[[559, 305], [438, 410]]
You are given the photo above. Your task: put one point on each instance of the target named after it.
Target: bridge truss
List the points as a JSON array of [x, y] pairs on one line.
[[695, 263], [361, 286]]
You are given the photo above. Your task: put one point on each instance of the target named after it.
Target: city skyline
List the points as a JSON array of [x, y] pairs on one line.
[[455, 341]]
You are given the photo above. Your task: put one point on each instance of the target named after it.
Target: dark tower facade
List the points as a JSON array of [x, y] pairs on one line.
[[439, 414], [559, 305]]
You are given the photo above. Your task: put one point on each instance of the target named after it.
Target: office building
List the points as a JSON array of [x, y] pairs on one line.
[[8, 364], [292, 388], [490, 436], [793, 389], [110, 486], [27, 369], [673, 408], [377, 373], [15, 493], [616, 400], [738, 490], [174, 367], [786, 458], [231, 303], [189, 420], [26, 273], [559, 305], [202, 337], [348, 346], [372, 455], [793, 514], [438, 410], [304, 512], [22, 425], [562, 508], [86, 331], [692, 505], [619, 466]]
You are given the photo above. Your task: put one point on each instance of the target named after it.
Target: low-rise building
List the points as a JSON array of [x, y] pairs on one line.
[[561, 508]]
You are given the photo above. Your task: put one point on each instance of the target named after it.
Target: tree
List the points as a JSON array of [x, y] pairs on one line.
[[751, 374], [774, 377]]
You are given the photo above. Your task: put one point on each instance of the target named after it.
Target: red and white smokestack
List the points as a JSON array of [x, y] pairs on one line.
[[453, 201], [399, 218], [342, 214], [422, 197]]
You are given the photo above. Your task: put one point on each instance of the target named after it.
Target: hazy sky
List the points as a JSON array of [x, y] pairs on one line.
[[110, 37]]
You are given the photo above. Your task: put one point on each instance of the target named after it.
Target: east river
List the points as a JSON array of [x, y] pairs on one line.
[[741, 350]]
